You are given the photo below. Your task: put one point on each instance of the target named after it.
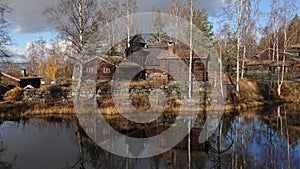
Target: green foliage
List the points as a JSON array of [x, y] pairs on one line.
[[200, 20], [15, 94], [160, 36]]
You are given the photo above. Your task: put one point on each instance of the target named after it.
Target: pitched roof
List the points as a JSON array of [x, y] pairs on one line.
[[138, 38], [19, 77], [130, 64], [152, 59]]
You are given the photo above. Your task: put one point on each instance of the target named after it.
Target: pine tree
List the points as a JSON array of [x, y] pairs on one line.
[[200, 20], [160, 36]]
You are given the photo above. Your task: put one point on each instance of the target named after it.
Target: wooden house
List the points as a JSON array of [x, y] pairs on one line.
[[142, 62], [137, 43], [20, 80], [171, 61], [264, 63], [102, 68], [160, 60]]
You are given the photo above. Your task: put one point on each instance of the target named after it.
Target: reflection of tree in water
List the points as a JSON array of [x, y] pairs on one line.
[[92, 156], [5, 164], [219, 146], [249, 139], [266, 138]]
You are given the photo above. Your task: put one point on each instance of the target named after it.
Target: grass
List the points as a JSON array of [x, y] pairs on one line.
[[252, 94]]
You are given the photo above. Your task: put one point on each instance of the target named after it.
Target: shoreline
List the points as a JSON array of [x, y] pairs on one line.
[[252, 94], [24, 108]]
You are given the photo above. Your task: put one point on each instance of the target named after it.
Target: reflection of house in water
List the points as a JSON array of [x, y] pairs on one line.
[[104, 133]]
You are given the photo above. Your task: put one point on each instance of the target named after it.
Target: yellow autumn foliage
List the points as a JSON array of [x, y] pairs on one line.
[[15, 94]]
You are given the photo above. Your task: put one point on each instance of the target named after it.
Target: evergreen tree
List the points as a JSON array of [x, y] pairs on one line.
[[160, 36], [200, 20]]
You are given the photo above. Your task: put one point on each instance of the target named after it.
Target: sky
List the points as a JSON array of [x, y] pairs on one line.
[[28, 24]]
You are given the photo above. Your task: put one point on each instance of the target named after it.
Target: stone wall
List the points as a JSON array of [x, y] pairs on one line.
[[50, 94], [56, 93]]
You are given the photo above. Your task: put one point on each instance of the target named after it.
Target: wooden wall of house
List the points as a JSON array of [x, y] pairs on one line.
[[175, 67], [199, 70], [35, 82], [153, 69], [9, 82], [105, 71]]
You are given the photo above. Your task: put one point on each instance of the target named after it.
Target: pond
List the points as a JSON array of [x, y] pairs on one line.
[[256, 138]]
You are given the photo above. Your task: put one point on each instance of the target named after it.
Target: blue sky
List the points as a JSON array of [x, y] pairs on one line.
[[28, 24]]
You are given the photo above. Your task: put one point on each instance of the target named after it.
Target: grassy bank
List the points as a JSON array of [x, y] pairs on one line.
[[23, 108], [252, 94]]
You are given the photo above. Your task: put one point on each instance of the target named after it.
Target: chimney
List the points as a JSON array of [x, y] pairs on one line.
[[23, 72], [171, 45]]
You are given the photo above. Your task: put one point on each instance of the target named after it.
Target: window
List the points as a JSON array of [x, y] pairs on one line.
[[90, 70], [106, 70]]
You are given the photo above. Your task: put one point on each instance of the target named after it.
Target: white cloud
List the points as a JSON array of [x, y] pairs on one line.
[[27, 15], [212, 6], [21, 56], [17, 55]]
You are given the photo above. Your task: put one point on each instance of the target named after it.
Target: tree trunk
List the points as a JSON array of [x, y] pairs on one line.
[[79, 83], [246, 37], [128, 26], [189, 144], [238, 35], [287, 142], [80, 65], [191, 49]]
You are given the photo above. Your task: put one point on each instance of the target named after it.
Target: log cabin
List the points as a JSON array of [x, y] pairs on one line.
[[20, 80], [152, 62]]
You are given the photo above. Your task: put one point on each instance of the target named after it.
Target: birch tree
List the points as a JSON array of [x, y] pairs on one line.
[[130, 7], [5, 39], [36, 53], [190, 78], [239, 12], [234, 11], [287, 10], [109, 11], [73, 20], [246, 34], [275, 55], [177, 8]]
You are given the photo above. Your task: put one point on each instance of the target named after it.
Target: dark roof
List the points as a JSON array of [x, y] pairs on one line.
[[106, 59], [181, 50], [152, 59], [129, 64], [139, 57], [19, 77], [138, 38]]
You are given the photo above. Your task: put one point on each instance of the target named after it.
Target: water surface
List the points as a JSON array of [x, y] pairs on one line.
[[264, 138]]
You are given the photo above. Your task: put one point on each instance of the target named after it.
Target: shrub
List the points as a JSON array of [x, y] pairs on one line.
[[15, 94]]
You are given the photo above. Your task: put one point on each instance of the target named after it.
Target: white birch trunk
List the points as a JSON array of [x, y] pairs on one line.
[[80, 66], [238, 35], [246, 37], [128, 26], [191, 49]]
